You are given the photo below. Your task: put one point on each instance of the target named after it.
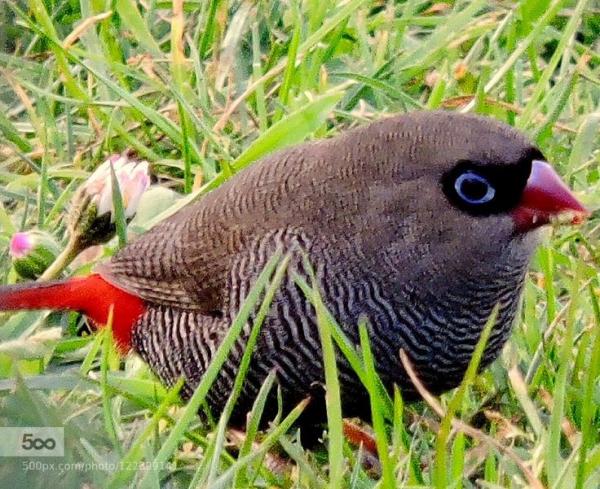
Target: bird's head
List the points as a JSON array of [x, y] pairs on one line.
[[469, 189], [502, 175]]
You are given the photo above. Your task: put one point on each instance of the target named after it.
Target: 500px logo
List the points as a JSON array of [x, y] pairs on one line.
[[32, 441]]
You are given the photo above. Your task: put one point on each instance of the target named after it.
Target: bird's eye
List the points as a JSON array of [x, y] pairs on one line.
[[473, 188]]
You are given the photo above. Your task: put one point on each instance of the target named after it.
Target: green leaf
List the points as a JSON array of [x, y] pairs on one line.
[[117, 199], [294, 128], [131, 17]]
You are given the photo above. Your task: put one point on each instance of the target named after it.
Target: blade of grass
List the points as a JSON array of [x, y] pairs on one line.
[[249, 348], [542, 84], [290, 68], [554, 460], [117, 201], [106, 364], [219, 358], [388, 479], [123, 476], [240, 479], [535, 33], [589, 407], [292, 129], [349, 351], [441, 465], [332, 391], [131, 17], [272, 438]]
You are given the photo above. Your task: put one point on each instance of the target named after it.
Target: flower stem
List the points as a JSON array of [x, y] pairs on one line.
[[72, 249]]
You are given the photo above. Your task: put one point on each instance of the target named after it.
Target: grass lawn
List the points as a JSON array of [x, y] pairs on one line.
[[201, 89]]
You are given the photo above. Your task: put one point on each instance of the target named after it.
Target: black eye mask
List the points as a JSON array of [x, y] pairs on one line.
[[483, 189]]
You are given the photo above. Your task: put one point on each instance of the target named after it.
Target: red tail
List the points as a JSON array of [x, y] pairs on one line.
[[90, 295]]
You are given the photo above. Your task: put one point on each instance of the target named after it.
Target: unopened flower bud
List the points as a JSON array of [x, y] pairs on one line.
[[92, 216], [32, 252]]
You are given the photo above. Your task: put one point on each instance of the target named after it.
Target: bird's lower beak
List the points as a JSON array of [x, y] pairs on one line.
[[546, 198]]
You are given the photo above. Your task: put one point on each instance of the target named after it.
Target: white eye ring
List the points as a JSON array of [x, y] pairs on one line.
[[471, 178]]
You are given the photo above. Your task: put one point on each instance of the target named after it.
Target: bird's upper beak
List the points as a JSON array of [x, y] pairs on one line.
[[545, 198]]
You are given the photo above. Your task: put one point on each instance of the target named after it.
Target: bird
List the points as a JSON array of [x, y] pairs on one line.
[[419, 224]]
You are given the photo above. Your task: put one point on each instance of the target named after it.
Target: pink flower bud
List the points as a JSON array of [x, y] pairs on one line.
[[133, 178], [32, 252], [20, 245], [92, 215]]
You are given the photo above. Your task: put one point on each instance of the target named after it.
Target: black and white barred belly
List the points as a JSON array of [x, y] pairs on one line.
[[438, 332]]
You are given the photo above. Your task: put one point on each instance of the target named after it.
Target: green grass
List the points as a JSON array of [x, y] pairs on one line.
[[202, 89]]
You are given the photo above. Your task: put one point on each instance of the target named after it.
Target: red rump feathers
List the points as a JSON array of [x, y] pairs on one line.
[[92, 295]]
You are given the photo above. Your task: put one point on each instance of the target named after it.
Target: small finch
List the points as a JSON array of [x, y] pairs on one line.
[[421, 224]]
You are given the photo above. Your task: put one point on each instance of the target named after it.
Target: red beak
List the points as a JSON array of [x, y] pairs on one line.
[[546, 196]]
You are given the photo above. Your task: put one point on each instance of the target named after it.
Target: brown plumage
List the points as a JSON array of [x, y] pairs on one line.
[[420, 223]]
